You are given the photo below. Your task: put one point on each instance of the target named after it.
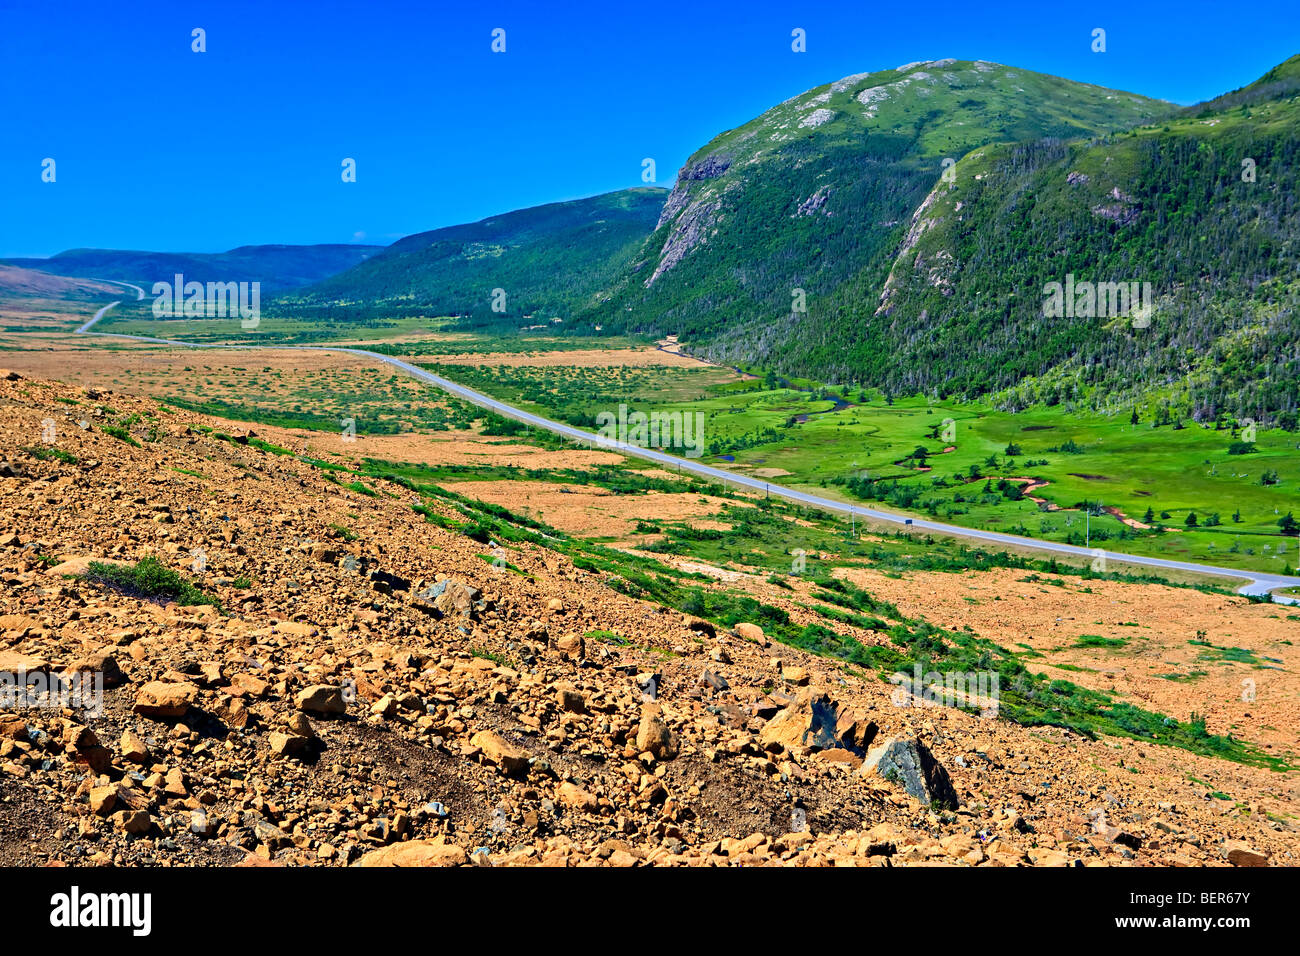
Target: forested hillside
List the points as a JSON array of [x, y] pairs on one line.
[[899, 229], [1203, 207], [816, 194], [550, 261]]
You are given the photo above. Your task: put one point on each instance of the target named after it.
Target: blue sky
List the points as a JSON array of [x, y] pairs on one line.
[[161, 148]]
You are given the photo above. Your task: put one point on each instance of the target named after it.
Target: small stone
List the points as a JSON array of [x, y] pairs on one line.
[[574, 797], [103, 799], [571, 646], [300, 725], [132, 821], [287, 745], [201, 824], [246, 685], [13, 728], [174, 783], [270, 835], [699, 626], [714, 681], [796, 675], [571, 701]]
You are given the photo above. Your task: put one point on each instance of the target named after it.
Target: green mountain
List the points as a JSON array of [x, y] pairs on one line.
[[1203, 207], [551, 261], [277, 267], [816, 194], [901, 229]]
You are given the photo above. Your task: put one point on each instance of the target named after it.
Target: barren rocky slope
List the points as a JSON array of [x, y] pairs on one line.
[[372, 690]]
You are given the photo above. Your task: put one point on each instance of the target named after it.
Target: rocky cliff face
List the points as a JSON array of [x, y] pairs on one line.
[[810, 195]]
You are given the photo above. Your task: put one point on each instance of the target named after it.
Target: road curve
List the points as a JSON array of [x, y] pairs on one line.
[[139, 292], [1257, 583]]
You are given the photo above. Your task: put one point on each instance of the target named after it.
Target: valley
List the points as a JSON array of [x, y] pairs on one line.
[[1042, 473], [1173, 490], [891, 559]]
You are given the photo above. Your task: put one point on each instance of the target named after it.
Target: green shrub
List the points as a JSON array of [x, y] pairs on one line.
[[149, 578], [120, 433]]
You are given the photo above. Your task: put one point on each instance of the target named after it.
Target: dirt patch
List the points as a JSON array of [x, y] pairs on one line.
[[589, 510], [734, 800], [577, 358], [448, 448], [26, 823], [1155, 666], [1030, 484], [1131, 522]]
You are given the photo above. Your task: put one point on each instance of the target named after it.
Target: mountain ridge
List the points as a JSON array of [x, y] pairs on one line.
[[277, 265], [556, 256]]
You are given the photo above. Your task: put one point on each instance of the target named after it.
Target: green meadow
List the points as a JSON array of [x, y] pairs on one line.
[[136, 318], [1205, 493]]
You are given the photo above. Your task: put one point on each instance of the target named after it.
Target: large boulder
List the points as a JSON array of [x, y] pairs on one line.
[[1243, 854], [813, 723], [910, 764], [100, 662], [322, 700], [165, 699], [416, 853], [855, 731], [452, 599], [511, 759], [11, 662], [653, 735]]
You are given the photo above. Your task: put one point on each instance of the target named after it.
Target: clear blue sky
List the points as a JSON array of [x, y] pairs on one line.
[[161, 148]]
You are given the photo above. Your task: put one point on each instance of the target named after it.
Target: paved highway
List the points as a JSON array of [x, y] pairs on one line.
[[1256, 582]]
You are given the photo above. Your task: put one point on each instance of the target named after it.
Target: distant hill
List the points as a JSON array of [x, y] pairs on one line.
[[277, 267], [31, 284], [551, 261]]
